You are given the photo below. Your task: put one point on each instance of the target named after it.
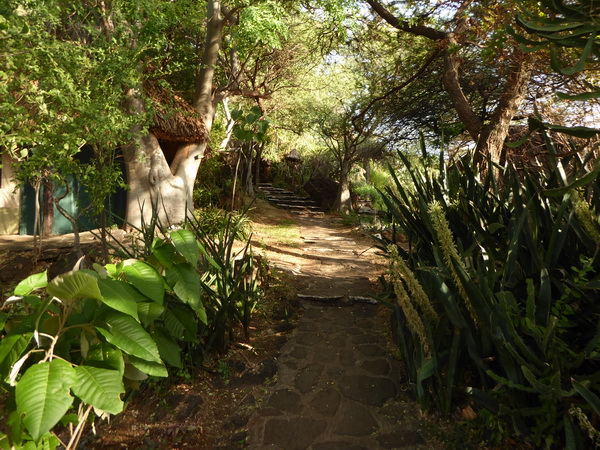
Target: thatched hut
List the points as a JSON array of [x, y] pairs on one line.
[[174, 119], [174, 122]]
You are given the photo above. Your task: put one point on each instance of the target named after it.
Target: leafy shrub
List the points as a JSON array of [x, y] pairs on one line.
[[74, 344], [213, 184], [371, 194], [231, 290], [497, 296], [213, 222]]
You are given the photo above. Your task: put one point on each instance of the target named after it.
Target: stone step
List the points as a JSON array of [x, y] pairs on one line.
[[275, 198], [327, 238], [290, 201], [320, 298], [298, 201], [298, 207], [309, 213], [274, 190], [281, 194]]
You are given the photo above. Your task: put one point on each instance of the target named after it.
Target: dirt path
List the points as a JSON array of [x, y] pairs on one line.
[[329, 259], [338, 386]]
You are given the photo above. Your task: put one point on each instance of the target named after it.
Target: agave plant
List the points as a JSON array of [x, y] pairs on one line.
[[508, 262]]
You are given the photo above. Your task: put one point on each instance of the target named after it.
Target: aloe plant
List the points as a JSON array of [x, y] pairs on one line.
[[510, 269], [232, 291]]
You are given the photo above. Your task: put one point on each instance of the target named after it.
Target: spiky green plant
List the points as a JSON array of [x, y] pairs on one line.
[[520, 258]]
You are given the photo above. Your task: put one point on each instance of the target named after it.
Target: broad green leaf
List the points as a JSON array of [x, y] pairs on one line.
[[251, 118], [13, 344], [256, 110], [100, 270], [580, 65], [181, 324], [149, 312], [124, 332], [120, 296], [68, 419], [263, 126], [236, 114], [166, 254], [424, 372], [11, 349], [186, 283], [4, 443], [578, 131], [74, 285], [570, 441], [151, 368], [47, 442], [31, 283], [105, 356], [145, 279], [169, 350], [100, 388], [242, 134], [42, 395], [546, 27], [579, 97], [133, 373], [185, 243], [112, 270]]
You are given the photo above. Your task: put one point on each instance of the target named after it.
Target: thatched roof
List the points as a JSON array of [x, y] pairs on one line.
[[174, 119], [293, 156]]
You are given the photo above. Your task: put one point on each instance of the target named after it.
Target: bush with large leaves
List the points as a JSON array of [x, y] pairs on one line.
[[78, 341]]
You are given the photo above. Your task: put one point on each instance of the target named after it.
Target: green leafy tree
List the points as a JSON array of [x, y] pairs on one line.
[[453, 31], [59, 93]]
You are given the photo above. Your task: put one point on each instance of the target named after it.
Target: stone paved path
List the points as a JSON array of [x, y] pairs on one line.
[[337, 386]]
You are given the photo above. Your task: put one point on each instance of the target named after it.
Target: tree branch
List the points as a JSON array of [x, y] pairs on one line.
[[436, 52], [419, 30]]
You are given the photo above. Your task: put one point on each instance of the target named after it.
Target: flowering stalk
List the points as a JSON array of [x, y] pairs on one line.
[[585, 216], [414, 287], [450, 253], [412, 316]]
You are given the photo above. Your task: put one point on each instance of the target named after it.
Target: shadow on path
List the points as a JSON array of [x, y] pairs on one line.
[[337, 385]]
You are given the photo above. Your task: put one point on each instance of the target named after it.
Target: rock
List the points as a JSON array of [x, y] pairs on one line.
[[294, 433]]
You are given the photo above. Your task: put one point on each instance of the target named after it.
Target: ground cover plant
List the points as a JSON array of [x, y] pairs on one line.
[[73, 345], [497, 295]]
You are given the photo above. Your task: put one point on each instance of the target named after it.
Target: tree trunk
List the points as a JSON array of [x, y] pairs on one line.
[[248, 158], [47, 208], [490, 137], [154, 187], [493, 135], [367, 166], [230, 124], [258, 159], [343, 201]]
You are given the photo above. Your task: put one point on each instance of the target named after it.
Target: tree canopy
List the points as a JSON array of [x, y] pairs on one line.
[[451, 70]]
